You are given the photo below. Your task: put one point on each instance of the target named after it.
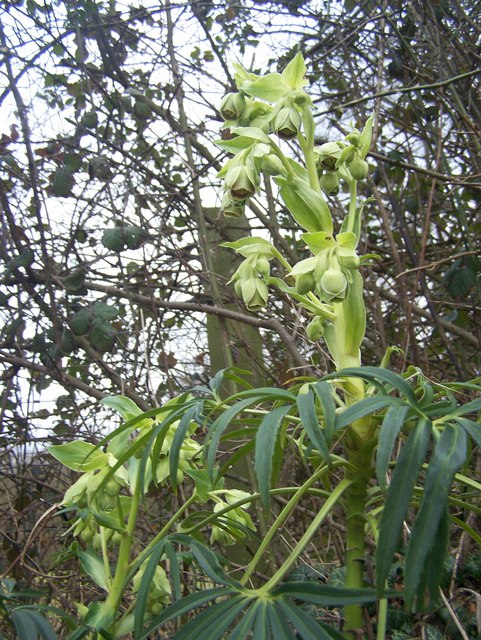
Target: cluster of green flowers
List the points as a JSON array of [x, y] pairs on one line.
[[235, 524], [159, 590], [277, 104]]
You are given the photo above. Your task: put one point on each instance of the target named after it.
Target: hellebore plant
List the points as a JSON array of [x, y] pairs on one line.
[[345, 426]]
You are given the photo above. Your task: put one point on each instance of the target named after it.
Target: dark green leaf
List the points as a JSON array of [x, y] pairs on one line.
[[398, 497], [449, 454], [240, 631], [190, 415], [208, 562], [62, 183], [183, 606], [310, 423], [472, 428], [80, 321], [265, 445], [261, 624], [378, 375], [280, 630], [94, 567], [219, 426], [174, 570], [29, 620], [144, 587], [470, 407], [390, 428], [325, 595], [304, 624], [214, 621], [362, 408], [114, 239], [324, 392]]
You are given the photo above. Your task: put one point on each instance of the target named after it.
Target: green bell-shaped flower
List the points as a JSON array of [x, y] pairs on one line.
[[287, 123], [232, 106]]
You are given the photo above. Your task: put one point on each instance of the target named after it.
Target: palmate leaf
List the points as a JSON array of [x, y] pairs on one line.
[[279, 628], [241, 630], [449, 454], [261, 628], [310, 423], [399, 496], [304, 624], [264, 452], [183, 606], [214, 621]]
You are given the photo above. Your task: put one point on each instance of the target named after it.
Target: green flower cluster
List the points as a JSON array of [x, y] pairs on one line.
[[235, 524], [188, 451], [159, 591]]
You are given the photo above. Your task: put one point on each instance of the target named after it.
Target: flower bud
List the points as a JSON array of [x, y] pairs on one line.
[[287, 123], [262, 266], [354, 138], [315, 329], [305, 282], [272, 165], [333, 284], [329, 183], [232, 106], [359, 168], [254, 293]]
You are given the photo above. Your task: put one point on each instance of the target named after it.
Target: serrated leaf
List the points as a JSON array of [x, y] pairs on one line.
[[391, 426], [310, 423], [94, 567], [448, 456], [264, 449], [105, 311], [79, 455], [398, 497]]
